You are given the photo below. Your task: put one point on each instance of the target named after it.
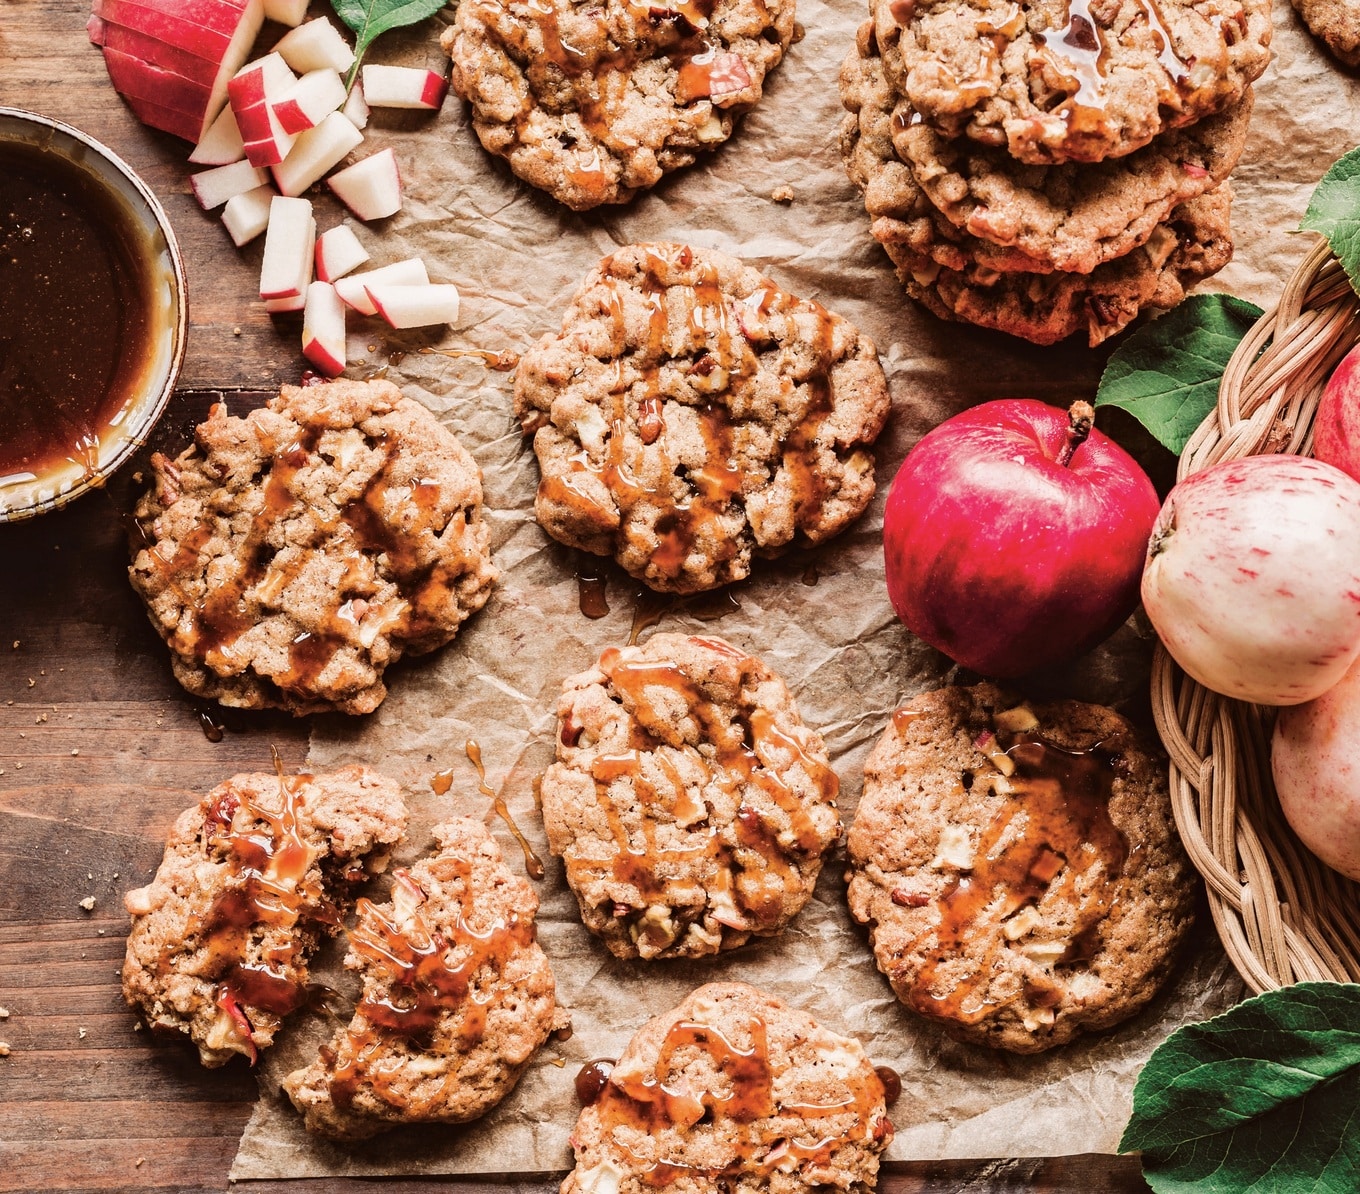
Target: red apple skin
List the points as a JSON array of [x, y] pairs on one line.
[[1336, 426], [1002, 557], [1317, 772]]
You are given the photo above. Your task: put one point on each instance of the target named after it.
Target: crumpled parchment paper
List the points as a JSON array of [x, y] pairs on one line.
[[820, 617]]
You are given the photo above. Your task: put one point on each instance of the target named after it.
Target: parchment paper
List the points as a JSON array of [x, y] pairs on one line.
[[517, 257]]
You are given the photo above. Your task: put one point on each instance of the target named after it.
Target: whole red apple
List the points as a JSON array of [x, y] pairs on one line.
[[1014, 536], [1336, 426]]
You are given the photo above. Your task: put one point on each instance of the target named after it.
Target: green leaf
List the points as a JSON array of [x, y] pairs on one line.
[[1166, 374], [1263, 1099], [369, 18], [1334, 210]]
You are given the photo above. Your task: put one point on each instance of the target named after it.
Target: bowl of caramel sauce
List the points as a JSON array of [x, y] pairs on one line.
[[93, 314]]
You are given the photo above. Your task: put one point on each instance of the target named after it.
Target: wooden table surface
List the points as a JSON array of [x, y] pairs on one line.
[[99, 749]]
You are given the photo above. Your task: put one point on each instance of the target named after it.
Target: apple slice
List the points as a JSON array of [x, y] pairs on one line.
[[289, 248], [315, 152], [247, 215], [315, 45], [403, 87], [252, 91], [371, 188], [323, 329], [338, 252], [352, 288], [414, 306], [214, 187], [356, 107], [204, 41], [285, 12], [310, 100], [221, 144]]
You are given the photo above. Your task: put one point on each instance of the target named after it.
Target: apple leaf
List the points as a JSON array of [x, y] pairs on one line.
[[1334, 210], [1166, 374], [1263, 1099], [369, 18]]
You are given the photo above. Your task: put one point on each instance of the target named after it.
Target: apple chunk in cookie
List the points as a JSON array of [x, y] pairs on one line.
[[690, 804], [734, 1090], [691, 415], [1018, 866], [254, 877]]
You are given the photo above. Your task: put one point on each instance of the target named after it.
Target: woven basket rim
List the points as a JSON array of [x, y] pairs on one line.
[[1282, 915]]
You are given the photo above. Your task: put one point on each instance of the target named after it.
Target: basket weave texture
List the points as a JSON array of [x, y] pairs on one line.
[[1283, 916]]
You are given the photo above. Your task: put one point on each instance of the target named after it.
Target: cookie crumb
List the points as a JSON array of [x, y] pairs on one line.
[[81, 1034], [4, 1013], [4, 1048], [782, 194], [88, 903], [140, 1162], [75, 750]]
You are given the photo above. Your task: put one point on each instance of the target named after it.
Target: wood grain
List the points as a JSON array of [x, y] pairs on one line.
[[100, 749]]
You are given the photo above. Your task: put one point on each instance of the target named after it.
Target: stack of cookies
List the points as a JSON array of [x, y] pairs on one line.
[[1040, 166]]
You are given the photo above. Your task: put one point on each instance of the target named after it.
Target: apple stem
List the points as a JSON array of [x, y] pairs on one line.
[[1081, 415]]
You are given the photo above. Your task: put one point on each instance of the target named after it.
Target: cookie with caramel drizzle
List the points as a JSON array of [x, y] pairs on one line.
[[690, 415], [1054, 81], [594, 100], [457, 996], [254, 877], [733, 1090], [690, 805], [1018, 866], [290, 556]]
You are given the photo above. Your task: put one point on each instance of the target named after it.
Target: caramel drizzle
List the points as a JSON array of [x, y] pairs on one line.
[[532, 863], [753, 844], [269, 885], [432, 974], [714, 324], [233, 605], [647, 1104], [1063, 798]]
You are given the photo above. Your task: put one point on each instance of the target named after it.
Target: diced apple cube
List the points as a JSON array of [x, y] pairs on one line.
[[356, 107], [371, 188], [247, 215], [214, 187], [315, 152], [403, 87], [289, 248], [221, 144], [323, 329], [338, 252], [252, 92], [286, 12], [351, 288], [315, 45], [414, 306], [313, 97]]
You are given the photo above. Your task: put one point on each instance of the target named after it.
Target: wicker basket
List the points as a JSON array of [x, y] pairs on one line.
[[1282, 915]]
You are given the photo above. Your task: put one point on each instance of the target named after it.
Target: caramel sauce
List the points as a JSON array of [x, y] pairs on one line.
[[692, 501], [712, 607], [648, 611], [1052, 829], [76, 315], [501, 362], [532, 863], [745, 1096], [426, 987], [591, 1079], [811, 576], [269, 867], [212, 730], [1079, 54], [902, 718], [754, 844], [592, 593], [441, 782], [892, 1083]]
